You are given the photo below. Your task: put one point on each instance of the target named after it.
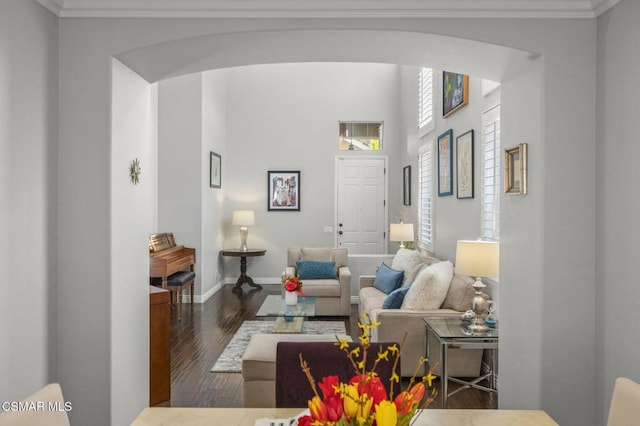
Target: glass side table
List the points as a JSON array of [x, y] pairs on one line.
[[453, 332]]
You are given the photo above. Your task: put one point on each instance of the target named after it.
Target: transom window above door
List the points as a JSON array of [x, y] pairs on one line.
[[360, 135]]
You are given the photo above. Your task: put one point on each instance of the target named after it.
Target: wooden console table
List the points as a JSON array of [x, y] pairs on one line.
[[243, 254]]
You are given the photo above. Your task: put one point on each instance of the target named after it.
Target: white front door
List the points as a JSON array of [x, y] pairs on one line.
[[361, 210]]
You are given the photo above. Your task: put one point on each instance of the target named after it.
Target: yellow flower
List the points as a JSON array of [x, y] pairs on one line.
[[383, 355], [429, 378], [393, 348], [343, 344], [394, 377], [386, 414]]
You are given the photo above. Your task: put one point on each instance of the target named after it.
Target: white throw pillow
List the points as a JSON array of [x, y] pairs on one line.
[[406, 260], [430, 287]]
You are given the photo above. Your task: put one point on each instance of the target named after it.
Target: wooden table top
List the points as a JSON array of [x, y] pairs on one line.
[[243, 253]]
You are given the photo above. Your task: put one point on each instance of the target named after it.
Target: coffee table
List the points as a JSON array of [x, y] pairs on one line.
[[453, 332], [289, 318]]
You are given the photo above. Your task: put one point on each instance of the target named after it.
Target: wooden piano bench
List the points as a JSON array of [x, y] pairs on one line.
[[176, 283]]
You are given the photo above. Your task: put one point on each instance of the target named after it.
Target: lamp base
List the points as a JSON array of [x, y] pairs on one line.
[[479, 305], [478, 328], [243, 238]]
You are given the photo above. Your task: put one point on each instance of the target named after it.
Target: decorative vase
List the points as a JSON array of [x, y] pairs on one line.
[[290, 298]]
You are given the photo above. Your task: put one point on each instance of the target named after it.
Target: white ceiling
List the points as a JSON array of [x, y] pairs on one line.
[[582, 9]]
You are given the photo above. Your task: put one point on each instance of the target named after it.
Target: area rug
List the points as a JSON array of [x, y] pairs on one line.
[[230, 360]]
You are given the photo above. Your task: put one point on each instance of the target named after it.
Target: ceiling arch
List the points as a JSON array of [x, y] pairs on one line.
[[179, 57]]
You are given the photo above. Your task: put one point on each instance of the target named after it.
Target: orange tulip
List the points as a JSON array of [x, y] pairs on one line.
[[406, 399], [318, 409]]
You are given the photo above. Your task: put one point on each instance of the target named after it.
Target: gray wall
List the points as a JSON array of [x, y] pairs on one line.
[[548, 283], [617, 231], [28, 197]]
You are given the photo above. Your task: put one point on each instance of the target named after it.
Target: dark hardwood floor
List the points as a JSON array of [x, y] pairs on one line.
[[198, 340]]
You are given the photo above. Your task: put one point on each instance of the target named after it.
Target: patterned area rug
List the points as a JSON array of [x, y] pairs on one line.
[[230, 360]]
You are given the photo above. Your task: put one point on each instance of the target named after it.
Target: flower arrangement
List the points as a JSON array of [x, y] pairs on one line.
[[364, 400], [293, 284]]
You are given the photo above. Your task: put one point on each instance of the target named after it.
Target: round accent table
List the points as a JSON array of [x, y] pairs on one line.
[[243, 254]]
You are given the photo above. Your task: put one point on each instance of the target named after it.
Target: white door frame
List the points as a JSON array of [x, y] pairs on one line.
[[385, 213]]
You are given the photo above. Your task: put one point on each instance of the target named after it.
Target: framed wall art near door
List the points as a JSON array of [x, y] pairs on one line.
[[283, 190], [445, 164], [455, 92], [464, 165], [215, 170]]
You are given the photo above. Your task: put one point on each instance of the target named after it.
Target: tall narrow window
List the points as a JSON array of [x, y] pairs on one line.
[[425, 194], [425, 101], [490, 188]]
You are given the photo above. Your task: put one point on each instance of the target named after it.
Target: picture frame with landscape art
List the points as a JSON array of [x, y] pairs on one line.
[[283, 190], [445, 164], [464, 165], [455, 92]]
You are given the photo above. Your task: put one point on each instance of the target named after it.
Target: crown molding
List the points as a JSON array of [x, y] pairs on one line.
[[573, 9]]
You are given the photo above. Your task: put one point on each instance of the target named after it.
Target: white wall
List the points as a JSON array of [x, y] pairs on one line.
[[28, 198], [179, 162], [285, 117], [617, 232], [133, 136], [214, 138], [562, 265]]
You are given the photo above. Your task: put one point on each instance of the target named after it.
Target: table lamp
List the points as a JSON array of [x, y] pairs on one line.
[[244, 218], [478, 259], [401, 232]]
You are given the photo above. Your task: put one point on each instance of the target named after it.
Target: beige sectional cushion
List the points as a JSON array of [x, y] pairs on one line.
[[430, 287], [320, 254], [321, 288], [371, 298], [460, 295]]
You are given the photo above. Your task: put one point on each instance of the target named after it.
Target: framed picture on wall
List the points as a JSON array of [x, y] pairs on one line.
[[515, 169], [445, 164], [406, 185], [464, 165], [283, 190], [215, 170], [455, 92]]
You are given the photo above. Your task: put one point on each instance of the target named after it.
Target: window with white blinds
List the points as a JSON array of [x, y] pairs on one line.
[[425, 101], [425, 195], [490, 188]]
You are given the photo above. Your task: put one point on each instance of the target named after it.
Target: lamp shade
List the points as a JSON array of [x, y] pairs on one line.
[[401, 232], [478, 258], [244, 218]]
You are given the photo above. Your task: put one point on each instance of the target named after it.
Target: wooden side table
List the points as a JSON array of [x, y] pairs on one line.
[[243, 254]]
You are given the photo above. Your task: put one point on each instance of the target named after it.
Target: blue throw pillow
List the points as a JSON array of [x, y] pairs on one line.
[[316, 270], [388, 279], [395, 298]]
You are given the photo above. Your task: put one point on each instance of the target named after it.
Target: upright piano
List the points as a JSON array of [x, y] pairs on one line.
[[166, 258]]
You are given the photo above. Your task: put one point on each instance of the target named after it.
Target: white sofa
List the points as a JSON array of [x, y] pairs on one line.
[[333, 296], [394, 323]]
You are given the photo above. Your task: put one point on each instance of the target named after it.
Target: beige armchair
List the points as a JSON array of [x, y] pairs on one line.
[[333, 295]]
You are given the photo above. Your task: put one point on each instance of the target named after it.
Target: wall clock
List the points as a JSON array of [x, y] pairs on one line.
[[134, 171]]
